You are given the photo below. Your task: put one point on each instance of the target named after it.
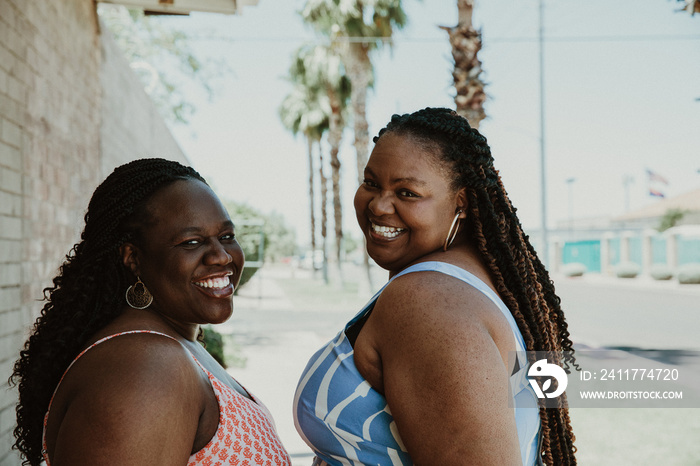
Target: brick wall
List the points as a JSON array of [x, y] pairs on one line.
[[70, 111]]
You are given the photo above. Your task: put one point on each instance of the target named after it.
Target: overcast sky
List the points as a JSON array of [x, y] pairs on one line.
[[622, 83]]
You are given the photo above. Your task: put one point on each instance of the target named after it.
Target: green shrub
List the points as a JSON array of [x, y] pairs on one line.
[[689, 274], [214, 344], [573, 269], [661, 272], [627, 270]]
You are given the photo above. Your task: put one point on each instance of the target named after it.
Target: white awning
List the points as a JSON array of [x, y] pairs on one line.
[[184, 7]]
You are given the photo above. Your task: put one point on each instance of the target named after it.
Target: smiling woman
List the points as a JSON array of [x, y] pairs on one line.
[[113, 372], [422, 374]]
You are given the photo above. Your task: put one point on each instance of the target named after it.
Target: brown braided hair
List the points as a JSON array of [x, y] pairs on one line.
[[520, 277], [88, 292]]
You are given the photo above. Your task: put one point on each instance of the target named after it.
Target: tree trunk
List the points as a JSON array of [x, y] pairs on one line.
[[324, 214], [335, 135], [311, 196], [466, 43], [692, 6], [359, 69]]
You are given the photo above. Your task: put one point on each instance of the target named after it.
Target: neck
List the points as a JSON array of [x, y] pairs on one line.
[[188, 331]]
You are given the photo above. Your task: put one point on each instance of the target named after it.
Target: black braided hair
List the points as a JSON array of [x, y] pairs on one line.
[[88, 292], [492, 225]]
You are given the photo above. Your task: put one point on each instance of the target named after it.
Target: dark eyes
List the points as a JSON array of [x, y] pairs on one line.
[[402, 192], [226, 239]]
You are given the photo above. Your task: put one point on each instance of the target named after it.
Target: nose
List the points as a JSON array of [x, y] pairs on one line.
[[381, 204], [217, 254]]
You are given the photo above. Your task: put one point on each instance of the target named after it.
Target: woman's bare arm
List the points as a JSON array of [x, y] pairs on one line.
[[442, 347]]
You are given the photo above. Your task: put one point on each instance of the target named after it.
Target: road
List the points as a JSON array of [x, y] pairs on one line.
[[616, 313]]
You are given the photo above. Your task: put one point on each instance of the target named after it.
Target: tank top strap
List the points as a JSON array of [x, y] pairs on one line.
[[476, 282], [102, 340], [370, 304]]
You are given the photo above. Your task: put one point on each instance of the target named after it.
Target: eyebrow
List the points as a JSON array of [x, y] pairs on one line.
[[406, 179], [186, 230]]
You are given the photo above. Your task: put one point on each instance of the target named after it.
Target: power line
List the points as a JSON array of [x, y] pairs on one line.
[[490, 40], [636, 38]]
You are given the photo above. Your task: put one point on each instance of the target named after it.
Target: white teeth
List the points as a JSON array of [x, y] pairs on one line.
[[215, 283], [387, 232]]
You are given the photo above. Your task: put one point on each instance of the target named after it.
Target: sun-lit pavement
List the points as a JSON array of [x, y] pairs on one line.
[[284, 315]]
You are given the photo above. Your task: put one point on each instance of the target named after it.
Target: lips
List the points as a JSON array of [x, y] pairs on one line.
[[386, 232]]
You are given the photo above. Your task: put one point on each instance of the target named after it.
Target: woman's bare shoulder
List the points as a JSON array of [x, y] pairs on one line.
[[142, 358], [124, 391], [442, 296], [434, 307]]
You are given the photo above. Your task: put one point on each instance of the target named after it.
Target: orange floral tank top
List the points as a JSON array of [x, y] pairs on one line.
[[246, 435]]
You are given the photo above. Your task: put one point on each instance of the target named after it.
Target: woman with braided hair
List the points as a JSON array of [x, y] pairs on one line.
[[112, 373], [422, 374]]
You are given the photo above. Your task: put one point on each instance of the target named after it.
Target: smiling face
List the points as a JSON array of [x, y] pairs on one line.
[[405, 205], [188, 256]]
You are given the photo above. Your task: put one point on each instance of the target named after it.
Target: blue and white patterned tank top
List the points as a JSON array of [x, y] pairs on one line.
[[346, 422]]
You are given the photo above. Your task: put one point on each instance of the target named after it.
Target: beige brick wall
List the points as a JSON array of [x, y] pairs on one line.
[[49, 112], [70, 111]]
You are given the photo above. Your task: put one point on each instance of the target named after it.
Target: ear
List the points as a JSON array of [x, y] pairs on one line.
[[130, 257], [461, 201]]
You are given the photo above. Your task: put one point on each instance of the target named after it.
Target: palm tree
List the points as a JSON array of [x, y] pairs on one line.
[[691, 6], [357, 27], [324, 211], [466, 43], [321, 67], [301, 111]]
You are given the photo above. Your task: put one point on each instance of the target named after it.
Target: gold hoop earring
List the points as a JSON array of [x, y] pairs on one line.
[[450, 234], [138, 296]]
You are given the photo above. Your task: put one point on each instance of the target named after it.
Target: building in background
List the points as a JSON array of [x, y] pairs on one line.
[[666, 233]]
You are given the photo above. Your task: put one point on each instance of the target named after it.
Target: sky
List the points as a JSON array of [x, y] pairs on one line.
[[622, 96]]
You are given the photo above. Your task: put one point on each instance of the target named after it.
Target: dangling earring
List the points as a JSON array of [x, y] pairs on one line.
[[450, 234], [138, 296]]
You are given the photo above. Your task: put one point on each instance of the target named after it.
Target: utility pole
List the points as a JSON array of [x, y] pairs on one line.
[[570, 182], [627, 180], [543, 174]]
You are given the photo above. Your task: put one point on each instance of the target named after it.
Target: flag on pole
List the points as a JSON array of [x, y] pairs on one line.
[[654, 181], [653, 176]]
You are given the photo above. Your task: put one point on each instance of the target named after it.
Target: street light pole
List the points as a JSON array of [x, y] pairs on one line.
[[627, 180], [543, 177], [570, 182]]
